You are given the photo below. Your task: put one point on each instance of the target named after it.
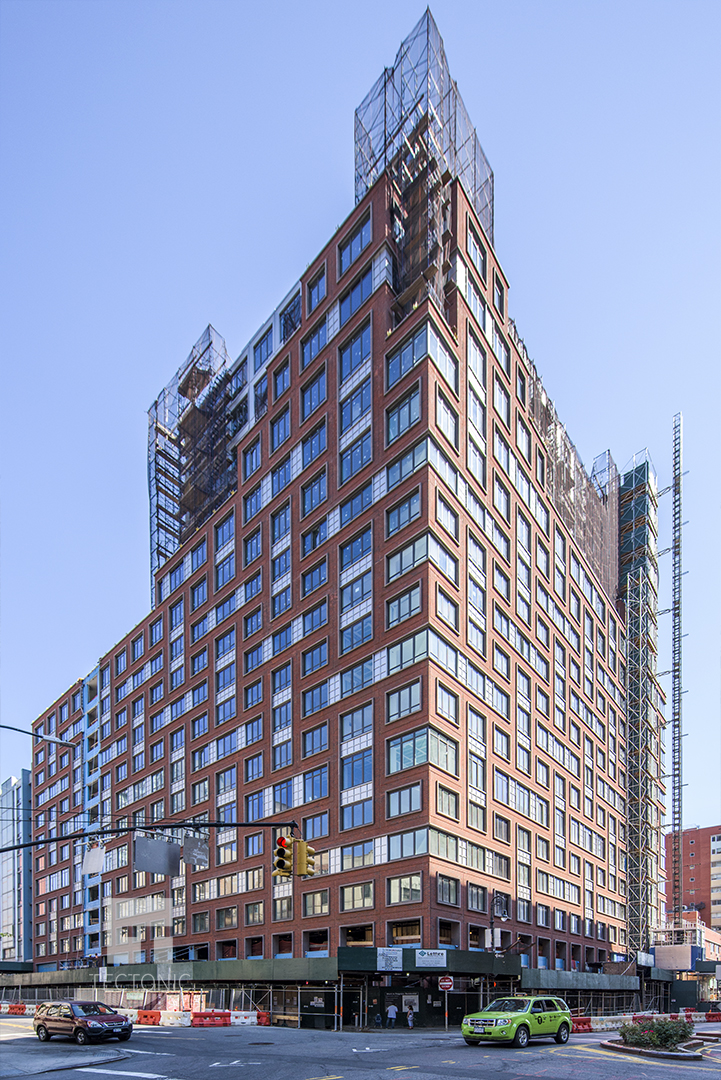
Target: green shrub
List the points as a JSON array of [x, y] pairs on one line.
[[657, 1034]]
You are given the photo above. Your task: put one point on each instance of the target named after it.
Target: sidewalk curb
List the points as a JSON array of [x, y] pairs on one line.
[[96, 1059], [642, 1051]]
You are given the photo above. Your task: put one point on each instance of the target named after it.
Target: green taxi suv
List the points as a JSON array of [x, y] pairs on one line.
[[517, 1020]]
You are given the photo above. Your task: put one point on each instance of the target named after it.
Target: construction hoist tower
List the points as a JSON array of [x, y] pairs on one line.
[[638, 588], [676, 677]]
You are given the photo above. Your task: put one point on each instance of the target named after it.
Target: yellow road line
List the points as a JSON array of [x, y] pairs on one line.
[[614, 1054]]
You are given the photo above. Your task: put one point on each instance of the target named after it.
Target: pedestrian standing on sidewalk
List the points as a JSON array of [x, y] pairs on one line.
[[391, 1014], [410, 1016]]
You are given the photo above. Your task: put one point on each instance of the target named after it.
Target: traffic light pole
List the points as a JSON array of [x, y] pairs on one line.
[[156, 826]]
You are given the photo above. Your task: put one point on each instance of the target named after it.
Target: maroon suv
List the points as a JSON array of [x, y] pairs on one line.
[[83, 1021]]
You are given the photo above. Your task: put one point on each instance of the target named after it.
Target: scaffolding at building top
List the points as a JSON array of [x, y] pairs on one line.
[[419, 92], [189, 470], [587, 504]]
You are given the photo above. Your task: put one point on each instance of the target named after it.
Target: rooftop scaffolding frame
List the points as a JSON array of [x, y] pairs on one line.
[[587, 505], [413, 123], [189, 471]]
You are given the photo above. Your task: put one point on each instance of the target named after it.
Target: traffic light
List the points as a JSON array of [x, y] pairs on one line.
[[283, 858], [305, 866]]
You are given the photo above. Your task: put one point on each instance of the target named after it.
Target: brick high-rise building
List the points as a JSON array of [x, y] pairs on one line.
[[701, 870], [385, 605]]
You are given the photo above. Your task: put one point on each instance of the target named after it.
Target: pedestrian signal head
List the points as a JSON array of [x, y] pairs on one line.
[[283, 857]]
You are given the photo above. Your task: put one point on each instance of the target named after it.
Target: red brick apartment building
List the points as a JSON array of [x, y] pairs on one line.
[[394, 621], [701, 869]]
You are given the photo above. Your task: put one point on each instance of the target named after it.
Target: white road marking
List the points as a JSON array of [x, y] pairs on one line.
[[119, 1072], [153, 1053], [234, 1064]]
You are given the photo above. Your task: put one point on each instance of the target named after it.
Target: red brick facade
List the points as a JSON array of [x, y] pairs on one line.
[[500, 767]]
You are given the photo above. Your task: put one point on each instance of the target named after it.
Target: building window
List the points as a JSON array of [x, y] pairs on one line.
[[356, 296], [477, 252], [446, 608], [254, 913], [313, 395], [315, 577], [404, 890], [252, 545], [176, 615], [315, 537], [224, 532], [281, 379], [355, 457], [353, 897], [417, 747], [315, 784], [315, 618], [280, 565], [403, 702], [404, 801], [316, 291], [356, 504], [314, 493], [314, 445], [357, 404], [356, 722], [356, 634], [315, 740], [404, 606], [352, 247], [447, 889], [315, 658], [401, 416], [316, 903], [356, 548], [402, 514], [198, 594], [355, 352], [499, 295], [280, 429], [263, 349], [315, 827], [280, 476], [447, 803], [281, 602], [315, 699], [251, 459], [313, 344], [447, 420], [355, 814], [357, 769]]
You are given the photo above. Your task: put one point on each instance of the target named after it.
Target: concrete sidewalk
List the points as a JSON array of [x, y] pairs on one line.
[[27, 1057]]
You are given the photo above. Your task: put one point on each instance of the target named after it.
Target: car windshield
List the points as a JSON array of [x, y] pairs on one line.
[[507, 1005], [92, 1008]]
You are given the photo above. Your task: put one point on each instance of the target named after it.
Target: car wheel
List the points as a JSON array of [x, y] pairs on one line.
[[81, 1037], [562, 1034], [520, 1039], [126, 1035], [472, 1042], [43, 1034]]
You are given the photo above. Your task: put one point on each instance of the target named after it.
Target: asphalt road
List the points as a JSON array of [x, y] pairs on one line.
[[253, 1053]]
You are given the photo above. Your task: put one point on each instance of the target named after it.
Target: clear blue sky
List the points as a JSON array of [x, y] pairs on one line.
[[170, 164]]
